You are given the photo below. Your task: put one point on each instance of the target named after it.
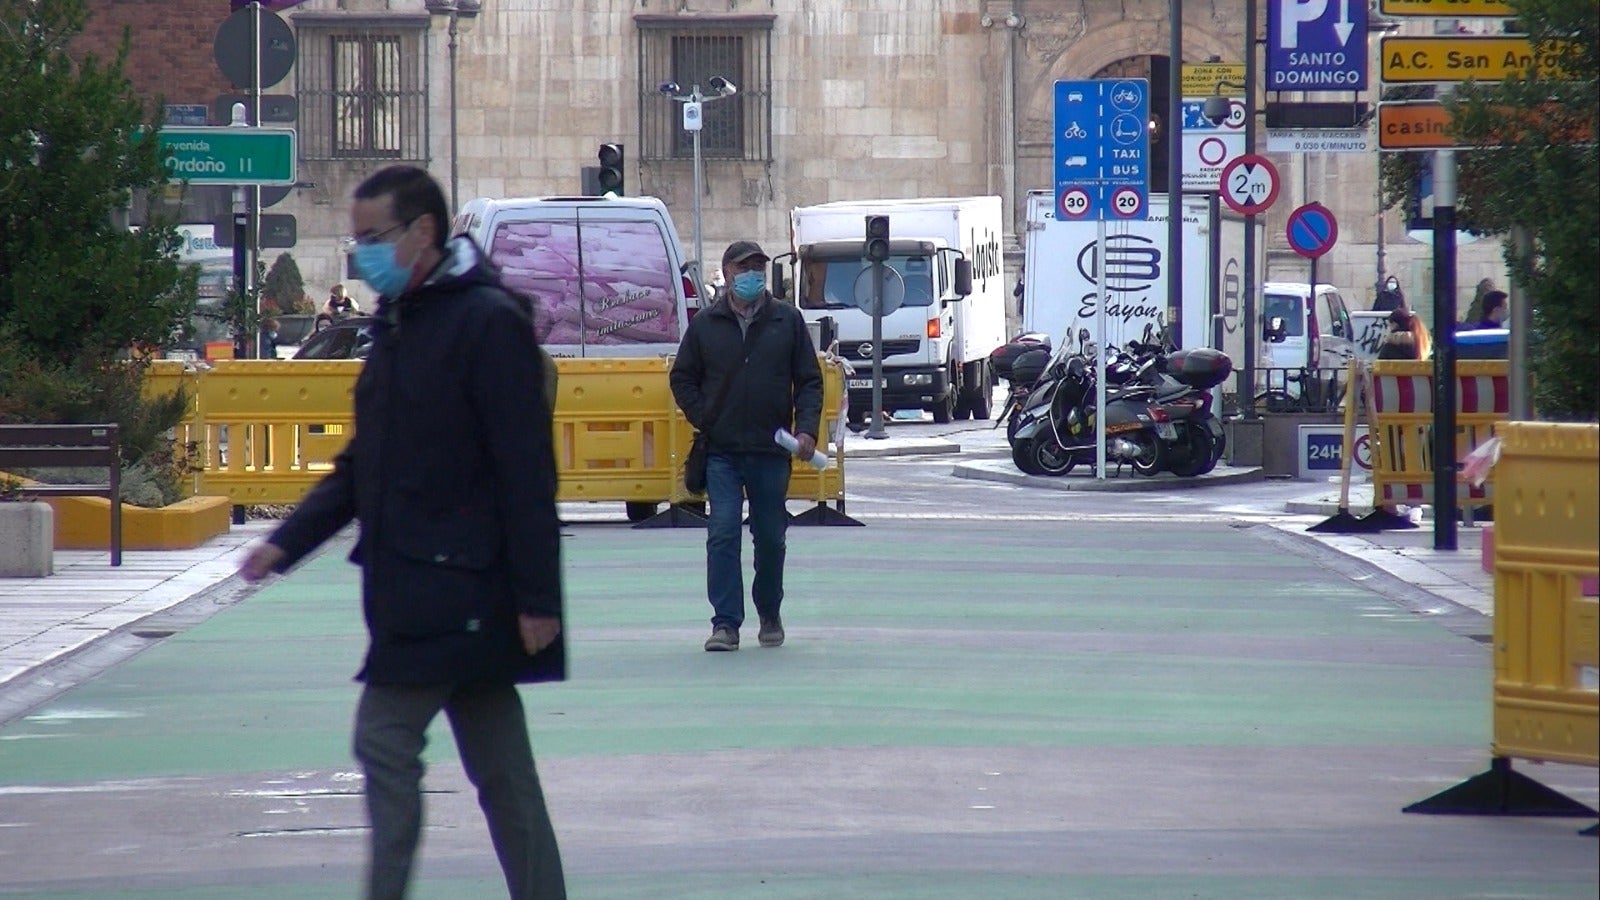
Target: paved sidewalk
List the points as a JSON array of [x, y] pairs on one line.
[[48, 622]]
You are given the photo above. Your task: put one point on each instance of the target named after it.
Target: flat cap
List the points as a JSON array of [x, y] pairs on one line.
[[739, 251]]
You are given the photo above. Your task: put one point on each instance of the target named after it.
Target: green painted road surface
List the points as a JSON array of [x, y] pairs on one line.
[[963, 709]]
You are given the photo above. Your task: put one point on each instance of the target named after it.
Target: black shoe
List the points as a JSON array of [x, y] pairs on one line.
[[771, 633], [723, 638]]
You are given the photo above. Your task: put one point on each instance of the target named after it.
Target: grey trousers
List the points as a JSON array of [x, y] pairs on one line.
[[492, 735]]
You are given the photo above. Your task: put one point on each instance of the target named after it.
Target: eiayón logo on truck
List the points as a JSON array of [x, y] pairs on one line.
[[1132, 267]]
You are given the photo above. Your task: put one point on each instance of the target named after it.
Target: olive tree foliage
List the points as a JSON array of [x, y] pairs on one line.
[[75, 287], [80, 295], [1539, 170]]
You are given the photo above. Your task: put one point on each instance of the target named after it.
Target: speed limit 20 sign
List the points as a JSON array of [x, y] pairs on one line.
[[1249, 184]]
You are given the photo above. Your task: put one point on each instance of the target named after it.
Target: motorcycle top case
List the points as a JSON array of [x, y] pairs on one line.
[[1027, 367], [1201, 367], [1006, 355]]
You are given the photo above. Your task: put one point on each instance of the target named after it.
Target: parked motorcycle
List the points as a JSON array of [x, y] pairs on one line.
[[1161, 413], [1056, 428], [1019, 362], [1200, 441]]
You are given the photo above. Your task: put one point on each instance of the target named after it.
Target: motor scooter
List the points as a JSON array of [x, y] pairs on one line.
[[1056, 428]]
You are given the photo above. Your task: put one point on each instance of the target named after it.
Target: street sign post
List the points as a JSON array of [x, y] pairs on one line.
[[1102, 147], [1316, 45], [222, 155], [1312, 231], [1249, 184], [1456, 58]]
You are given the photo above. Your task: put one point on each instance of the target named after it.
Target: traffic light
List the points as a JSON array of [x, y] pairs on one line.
[[611, 169], [877, 238]]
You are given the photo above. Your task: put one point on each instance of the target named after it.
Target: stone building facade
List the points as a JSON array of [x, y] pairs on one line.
[[837, 100]]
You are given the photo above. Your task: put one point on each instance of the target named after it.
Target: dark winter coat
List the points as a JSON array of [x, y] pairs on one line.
[[779, 386], [452, 477]]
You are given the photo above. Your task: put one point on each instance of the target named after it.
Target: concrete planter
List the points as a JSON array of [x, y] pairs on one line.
[[84, 523], [27, 540]]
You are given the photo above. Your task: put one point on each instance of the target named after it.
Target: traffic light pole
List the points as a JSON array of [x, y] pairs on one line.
[[699, 233], [875, 430]]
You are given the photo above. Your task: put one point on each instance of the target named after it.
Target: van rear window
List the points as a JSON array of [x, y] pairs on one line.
[[1288, 307], [593, 281]]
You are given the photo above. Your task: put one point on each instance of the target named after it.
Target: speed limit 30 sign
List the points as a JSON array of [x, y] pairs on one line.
[[1249, 184]]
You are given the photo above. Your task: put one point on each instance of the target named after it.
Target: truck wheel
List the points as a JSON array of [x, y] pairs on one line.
[[952, 406], [980, 403]]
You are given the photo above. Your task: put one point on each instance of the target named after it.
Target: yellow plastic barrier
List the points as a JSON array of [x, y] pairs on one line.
[[270, 429], [1546, 633], [264, 431], [1402, 426], [613, 425], [1546, 700]]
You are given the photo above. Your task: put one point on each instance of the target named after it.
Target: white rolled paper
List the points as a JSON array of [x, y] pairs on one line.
[[787, 441]]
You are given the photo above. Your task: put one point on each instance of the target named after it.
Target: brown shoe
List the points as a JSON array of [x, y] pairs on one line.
[[771, 633]]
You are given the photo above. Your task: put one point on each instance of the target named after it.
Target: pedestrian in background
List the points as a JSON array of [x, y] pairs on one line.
[[1494, 311], [340, 304], [746, 368], [1390, 297], [452, 478], [269, 338]]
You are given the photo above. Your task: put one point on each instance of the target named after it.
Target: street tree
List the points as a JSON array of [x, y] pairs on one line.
[[80, 292], [1538, 170], [76, 286], [285, 288]]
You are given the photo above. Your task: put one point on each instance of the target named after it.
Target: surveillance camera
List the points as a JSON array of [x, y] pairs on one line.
[[723, 86], [1217, 109], [670, 88]]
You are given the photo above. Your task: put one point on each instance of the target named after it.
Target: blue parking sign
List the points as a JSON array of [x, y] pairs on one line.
[[1316, 45], [1102, 148]]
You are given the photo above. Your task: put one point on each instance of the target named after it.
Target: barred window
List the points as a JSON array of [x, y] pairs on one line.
[[362, 90], [691, 52]]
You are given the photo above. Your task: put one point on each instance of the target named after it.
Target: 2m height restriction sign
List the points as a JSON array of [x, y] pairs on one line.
[[1249, 184]]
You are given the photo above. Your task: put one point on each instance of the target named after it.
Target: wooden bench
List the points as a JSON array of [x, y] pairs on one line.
[[51, 446]]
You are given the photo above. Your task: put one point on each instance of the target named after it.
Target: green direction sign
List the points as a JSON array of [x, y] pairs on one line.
[[229, 155]]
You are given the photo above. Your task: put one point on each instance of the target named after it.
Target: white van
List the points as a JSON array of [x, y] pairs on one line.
[[607, 275], [1298, 333]]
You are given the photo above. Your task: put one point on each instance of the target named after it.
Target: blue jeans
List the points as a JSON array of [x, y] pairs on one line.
[[763, 478]]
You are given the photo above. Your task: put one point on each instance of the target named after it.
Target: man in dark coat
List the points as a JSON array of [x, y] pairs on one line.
[[751, 358], [452, 477]]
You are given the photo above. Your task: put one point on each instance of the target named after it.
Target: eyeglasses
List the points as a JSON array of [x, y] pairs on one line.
[[351, 242]]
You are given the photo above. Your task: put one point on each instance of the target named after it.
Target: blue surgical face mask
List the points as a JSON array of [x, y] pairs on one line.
[[748, 286], [377, 266]]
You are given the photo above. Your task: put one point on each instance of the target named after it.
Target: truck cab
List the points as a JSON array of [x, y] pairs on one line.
[[941, 317]]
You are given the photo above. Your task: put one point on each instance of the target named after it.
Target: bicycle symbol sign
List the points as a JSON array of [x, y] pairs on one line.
[[1102, 149]]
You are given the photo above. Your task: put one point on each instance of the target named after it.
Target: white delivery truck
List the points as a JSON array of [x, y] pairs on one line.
[[936, 344], [1061, 290]]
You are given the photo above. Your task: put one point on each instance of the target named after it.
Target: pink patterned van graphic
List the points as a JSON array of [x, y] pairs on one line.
[[615, 286]]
